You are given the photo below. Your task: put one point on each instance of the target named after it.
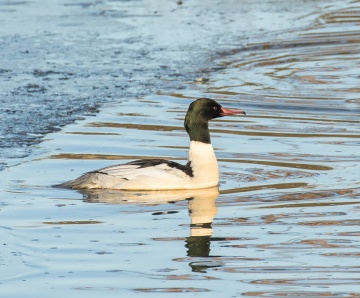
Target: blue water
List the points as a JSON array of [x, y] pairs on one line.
[[285, 219]]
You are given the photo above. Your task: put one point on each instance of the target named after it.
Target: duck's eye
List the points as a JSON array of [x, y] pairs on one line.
[[215, 108]]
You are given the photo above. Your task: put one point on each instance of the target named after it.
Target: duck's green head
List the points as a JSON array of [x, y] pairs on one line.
[[198, 115]]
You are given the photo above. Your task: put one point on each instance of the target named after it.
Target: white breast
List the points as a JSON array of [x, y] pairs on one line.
[[204, 164]]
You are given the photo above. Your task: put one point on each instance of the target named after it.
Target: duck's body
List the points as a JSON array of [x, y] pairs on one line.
[[201, 171]]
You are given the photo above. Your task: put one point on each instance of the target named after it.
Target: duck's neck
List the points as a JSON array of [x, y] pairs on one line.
[[202, 159], [198, 131]]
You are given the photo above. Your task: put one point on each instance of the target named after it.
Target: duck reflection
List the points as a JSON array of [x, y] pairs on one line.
[[202, 210]]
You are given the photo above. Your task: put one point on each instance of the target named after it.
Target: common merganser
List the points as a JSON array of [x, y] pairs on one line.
[[201, 171]]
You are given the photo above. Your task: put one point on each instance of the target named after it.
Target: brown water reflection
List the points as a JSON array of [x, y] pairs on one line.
[[262, 132]]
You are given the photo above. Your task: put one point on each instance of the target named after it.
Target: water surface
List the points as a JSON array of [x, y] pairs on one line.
[[284, 221]]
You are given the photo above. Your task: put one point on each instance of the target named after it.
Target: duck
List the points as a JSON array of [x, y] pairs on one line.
[[201, 170]]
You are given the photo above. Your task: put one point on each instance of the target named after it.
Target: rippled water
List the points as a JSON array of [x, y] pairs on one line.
[[285, 221]]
